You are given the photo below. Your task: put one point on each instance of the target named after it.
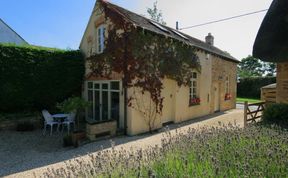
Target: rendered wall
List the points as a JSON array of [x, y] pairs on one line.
[[183, 110], [176, 99], [88, 46]]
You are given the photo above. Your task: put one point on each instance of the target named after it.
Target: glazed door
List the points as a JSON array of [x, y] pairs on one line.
[[105, 99]]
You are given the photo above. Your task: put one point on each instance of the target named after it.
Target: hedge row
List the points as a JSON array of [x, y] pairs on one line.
[[251, 87], [33, 78]]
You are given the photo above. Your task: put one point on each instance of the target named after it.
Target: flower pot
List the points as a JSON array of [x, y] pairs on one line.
[[77, 136]]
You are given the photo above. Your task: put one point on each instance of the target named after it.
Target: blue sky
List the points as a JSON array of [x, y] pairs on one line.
[[61, 23], [52, 23]]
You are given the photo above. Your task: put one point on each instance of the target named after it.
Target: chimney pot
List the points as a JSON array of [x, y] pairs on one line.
[[209, 39]]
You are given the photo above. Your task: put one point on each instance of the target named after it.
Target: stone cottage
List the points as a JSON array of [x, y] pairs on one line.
[[211, 90]]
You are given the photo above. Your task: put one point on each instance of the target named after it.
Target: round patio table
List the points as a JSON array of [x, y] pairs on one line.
[[59, 118], [60, 115]]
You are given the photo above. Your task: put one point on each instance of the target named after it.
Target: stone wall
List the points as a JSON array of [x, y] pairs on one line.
[[220, 70], [11, 124], [282, 83], [94, 129]]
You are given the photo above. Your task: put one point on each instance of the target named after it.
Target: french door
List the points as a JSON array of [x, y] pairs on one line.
[[105, 99]]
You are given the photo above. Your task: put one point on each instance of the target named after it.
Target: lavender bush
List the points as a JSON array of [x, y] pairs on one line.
[[211, 152]]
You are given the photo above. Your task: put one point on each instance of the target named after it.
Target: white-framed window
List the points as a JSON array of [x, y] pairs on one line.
[[104, 97], [194, 86], [227, 85], [101, 30]]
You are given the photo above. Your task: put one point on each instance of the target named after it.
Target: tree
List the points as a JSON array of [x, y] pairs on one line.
[[156, 14], [253, 67], [250, 67], [269, 68]]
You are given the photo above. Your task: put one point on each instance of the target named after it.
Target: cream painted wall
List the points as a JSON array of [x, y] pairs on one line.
[[136, 121], [176, 99], [183, 110]]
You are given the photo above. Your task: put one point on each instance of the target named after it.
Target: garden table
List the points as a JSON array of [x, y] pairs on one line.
[[59, 118]]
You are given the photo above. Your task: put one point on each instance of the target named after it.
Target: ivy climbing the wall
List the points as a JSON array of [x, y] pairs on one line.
[[143, 58]]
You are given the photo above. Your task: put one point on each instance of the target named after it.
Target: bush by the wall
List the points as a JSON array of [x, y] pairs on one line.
[[251, 87], [276, 114], [33, 78], [25, 127]]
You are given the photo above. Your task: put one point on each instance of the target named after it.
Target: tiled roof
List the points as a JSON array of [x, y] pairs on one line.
[[8, 35], [158, 28]]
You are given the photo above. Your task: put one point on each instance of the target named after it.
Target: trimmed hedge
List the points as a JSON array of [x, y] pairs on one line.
[[251, 87], [33, 78], [276, 114]]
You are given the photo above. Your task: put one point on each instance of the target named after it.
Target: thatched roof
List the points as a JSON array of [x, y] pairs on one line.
[[271, 43]]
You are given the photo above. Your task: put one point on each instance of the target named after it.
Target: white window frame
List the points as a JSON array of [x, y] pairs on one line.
[[100, 89], [227, 85], [100, 40], [193, 93]]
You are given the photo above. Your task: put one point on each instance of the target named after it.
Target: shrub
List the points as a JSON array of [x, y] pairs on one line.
[[276, 113], [25, 127], [74, 104], [67, 141], [251, 87], [33, 78]]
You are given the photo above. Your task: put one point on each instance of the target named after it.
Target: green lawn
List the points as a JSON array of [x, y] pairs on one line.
[[250, 100]]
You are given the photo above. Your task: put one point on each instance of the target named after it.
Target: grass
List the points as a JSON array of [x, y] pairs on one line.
[[254, 151], [250, 100]]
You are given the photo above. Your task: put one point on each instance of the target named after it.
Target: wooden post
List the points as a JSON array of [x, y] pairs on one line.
[[245, 113]]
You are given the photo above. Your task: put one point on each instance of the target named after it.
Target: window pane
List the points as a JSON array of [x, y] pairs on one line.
[[97, 105], [90, 85], [99, 39], [90, 109], [104, 105], [105, 86], [194, 92], [102, 38], [115, 99], [115, 86], [96, 86], [194, 84], [194, 75]]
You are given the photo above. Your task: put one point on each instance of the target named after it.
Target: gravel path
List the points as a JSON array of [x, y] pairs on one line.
[[26, 154]]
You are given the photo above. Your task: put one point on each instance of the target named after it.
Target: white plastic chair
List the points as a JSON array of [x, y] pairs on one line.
[[49, 121], [68, 121]]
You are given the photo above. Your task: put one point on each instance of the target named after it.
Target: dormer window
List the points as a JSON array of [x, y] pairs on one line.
[[101, 38]]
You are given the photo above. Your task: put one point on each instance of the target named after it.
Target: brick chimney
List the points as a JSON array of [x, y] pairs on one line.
[[209, 39]]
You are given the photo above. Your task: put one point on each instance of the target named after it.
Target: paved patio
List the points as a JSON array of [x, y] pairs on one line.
[[23, 154]]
